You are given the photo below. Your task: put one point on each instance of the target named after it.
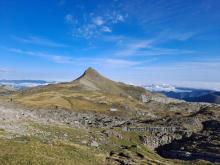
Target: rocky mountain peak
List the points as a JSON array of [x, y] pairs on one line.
[[90, 73], [90, 70]]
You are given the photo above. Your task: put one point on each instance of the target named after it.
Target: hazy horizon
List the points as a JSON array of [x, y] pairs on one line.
[[196, 85]]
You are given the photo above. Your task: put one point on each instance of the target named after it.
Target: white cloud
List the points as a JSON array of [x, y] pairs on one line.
[[39, 41], [149, 47], [61, 59], [133, 48], [126, 47], [51, 57], [194, 71], [169, 34], [4, 70], [115, 63], [98, 21], [118, 18], [106, 29], [70, 19], [86, 31], [92, 29], [155, 51]]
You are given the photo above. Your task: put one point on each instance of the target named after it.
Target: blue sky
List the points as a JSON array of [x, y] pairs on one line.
[[135, 41]]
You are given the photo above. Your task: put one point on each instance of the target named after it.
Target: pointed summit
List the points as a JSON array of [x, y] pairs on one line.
[[93, 80], [90, 70], [90, 73]]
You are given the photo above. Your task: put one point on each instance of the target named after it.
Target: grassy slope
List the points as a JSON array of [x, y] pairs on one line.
[[49, 144]]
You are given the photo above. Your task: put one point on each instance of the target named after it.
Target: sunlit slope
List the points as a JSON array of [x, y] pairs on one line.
[[90, 92]]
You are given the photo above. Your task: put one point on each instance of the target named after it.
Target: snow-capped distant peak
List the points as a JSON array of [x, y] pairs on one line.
[[160, 87]]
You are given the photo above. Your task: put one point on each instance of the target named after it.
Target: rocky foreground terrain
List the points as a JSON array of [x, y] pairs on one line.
[[93, 120]]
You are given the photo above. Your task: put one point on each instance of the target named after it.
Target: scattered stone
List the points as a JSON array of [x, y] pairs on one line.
[[113, 109], [94, 144]]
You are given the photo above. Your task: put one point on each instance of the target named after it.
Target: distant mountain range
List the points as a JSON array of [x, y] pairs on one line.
[[21, 84], [187, 94], [182, 93]]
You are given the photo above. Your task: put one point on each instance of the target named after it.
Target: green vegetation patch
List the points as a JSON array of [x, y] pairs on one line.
[[31, 151]]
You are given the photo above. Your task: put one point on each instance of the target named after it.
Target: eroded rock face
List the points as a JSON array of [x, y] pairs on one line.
[[163, 131], [158, 98], [158, 139], [144, 98], [166, 100], [204, 144], [81, 119]]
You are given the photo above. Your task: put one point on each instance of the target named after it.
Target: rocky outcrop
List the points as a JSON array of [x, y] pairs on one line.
[[157, 139], [125, 155], [204, 144]]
